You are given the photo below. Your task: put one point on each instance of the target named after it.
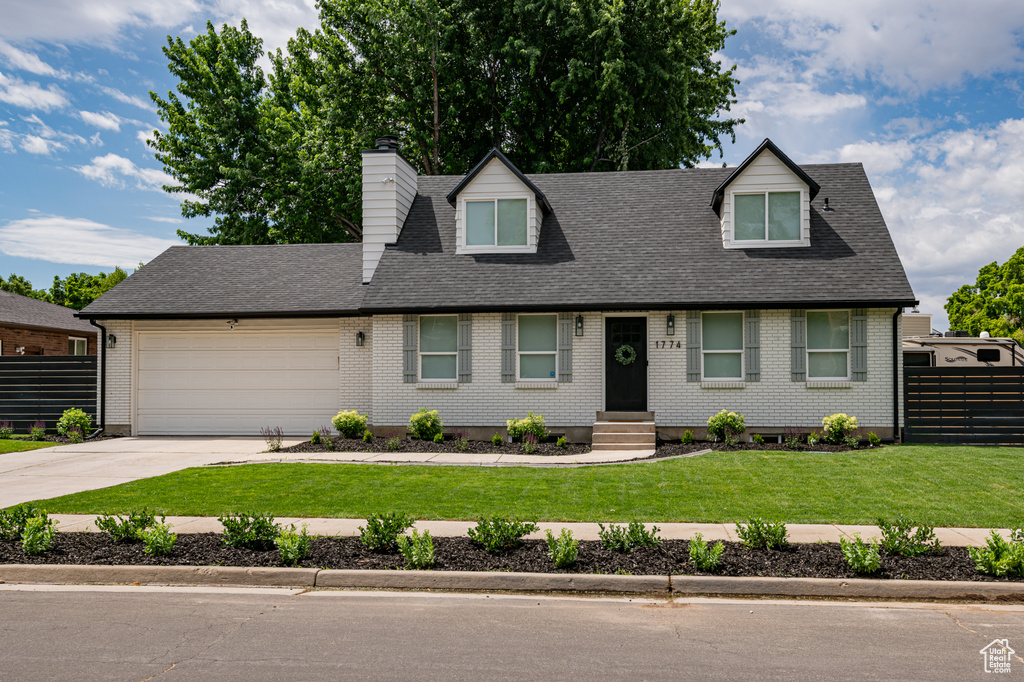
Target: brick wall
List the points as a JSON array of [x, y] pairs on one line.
[[355, 366], [52, 343], [119, 377]]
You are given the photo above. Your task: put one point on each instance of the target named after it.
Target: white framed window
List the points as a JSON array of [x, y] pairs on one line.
[[77, 346], [496, 223], [537, 347], [438, 347], [762, 217], [828, 345], [722, 346]]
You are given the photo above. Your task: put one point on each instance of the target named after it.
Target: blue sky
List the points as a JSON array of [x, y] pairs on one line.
[[927, 95]]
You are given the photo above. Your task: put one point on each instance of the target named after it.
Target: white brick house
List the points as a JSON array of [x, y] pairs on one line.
[[770, 289]]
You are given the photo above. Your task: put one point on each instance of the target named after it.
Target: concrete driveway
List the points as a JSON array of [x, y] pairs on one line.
[[65, 469]]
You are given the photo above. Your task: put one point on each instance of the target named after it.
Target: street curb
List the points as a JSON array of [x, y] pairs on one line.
[[515, 582]]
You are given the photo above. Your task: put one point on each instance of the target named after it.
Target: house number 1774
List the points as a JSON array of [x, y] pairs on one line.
[[668, 344]]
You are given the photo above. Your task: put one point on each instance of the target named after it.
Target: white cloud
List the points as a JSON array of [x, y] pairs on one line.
[[129, 99], [105, 120], [161, 219], [30, 95], [78, 241], [112, 170], [878, 157], [275, 22], [6, 138], [90, 21], [25, 61], [34, 144], [144, 136]]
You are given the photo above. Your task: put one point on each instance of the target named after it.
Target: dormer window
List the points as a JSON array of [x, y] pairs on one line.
[[767, 216], [496, 223]]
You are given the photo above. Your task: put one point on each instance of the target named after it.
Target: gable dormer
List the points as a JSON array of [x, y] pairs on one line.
[[766, 202], [497, 209]]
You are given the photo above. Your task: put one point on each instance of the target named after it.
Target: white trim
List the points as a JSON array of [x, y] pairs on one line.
[[546, 380], [723, 384], [83, 340], [436, 384], [536, 383], [420, 353], [604, 350], [849, 347], [741, 351], [733, 243], [463, 247]]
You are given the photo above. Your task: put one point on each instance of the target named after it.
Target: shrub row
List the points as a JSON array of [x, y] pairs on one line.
[[837, 429], [73, 424]]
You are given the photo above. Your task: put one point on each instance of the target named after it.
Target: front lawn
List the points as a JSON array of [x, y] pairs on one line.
[[10, 445], [939, 485]]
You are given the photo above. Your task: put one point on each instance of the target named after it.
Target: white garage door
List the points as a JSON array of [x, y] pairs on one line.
[[235, 383]]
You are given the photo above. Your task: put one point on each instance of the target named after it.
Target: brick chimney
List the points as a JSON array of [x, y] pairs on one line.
[[389, 187]]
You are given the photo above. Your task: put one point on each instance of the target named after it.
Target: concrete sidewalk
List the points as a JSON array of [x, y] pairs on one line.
[[807, 532]]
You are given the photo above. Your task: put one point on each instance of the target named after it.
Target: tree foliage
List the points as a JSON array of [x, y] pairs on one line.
[[560, 85], [17, 284], [77, 290], [995, 303]]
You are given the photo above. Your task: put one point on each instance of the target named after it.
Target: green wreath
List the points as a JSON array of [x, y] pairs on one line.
[[625, 355]]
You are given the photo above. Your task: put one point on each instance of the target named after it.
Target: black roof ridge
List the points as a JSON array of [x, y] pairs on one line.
[[767, 144], [495, 153]]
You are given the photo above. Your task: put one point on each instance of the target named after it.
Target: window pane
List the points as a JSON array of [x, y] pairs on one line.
[[538, 332], [537, 366], [722, 331], [828, 330], [437, 366], [826, 365], [80, 347], [479, 223], [71, 346], [438, 334], [723, 366], [749, 216], [511, 222], [783, 215]]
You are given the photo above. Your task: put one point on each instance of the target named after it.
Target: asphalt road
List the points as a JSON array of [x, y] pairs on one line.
[[144, 633]]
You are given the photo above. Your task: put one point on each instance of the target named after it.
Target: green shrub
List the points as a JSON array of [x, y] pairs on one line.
[[563, 550], [12, 522], [760, 534], [438, 437], [627, 538], [500, 535], [349, 423], [461, 440], [129, 529], [6, 429], [293, 545], [704, 556], [252, 531], [274, 435], [159, 540], [813, 438], [531, 423], [561, 442], [73, 417], [757, 438], [38, 534], [497, 440], [852, 442], [897, 538], [393, 443], [382, 530], [315, 438], [793, 438], [726, 425], [75, 435], [367, 436], [425, 424], [529, 443], [837, 427], [862, 557], [687, 437], [1017, 535], [327, 438], [418, 550], [38, 431], [873, 440], [999, 557]]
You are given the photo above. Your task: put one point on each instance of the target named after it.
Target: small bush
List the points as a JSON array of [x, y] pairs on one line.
[[687, 437], [438, 437], [563, 550], [793, 438], [316, 437], [1017, 535], [496, 439], [293, 545], [760, 534], [6, 429], [757, 438], [461, 440], [367, 436], [863, 557], [999, 557], [425, 424], [813, 438], [873, 440], [726, 425], [12, 522], [852, 442], [382, 530], [38, 431], [705, 557], [393, 443], [836, 427], [897, 538], [627, 538], [561, 442], [327, 437], [273, 435], [500, 535], [251, 531], [417, 550], [73, 417], [75, 435], [531, 423], [529, 443], [129, 529], [349, 423], [158, 540], [38, 534]]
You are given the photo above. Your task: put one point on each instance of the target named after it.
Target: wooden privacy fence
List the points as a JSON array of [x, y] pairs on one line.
[[964, 405], [41, 387]]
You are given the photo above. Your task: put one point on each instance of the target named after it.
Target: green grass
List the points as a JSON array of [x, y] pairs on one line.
[[943, 486], [22, 445]]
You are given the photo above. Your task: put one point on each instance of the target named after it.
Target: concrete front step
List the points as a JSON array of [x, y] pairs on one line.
[[630, 447], [625, 416], [624, 427], [612, 437]]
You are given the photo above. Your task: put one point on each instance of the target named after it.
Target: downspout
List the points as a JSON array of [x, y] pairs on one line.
[[103, 379], [896, 350]]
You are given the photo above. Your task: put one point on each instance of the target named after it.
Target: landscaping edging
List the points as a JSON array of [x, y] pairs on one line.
[[514, 582]]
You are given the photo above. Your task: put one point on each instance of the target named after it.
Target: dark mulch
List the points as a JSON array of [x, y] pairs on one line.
[[673, 448], [379, 444], [460, 554]]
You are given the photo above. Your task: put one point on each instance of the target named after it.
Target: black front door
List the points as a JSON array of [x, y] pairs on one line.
[[626, 370]]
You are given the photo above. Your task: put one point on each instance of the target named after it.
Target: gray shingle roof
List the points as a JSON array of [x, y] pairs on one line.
[[22, 311], [210, 281], [643, 239]]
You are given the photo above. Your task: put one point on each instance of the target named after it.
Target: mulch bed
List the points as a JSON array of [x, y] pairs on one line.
[[673, 448], [379, 444], [461, 554]]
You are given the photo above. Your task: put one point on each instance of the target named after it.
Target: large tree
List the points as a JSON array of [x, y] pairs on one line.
[[560, 85], [995, 303]]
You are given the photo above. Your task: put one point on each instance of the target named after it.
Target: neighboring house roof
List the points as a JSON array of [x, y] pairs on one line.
[[29, 313], [813, 187], [495, 154], [293, 280], [643, 239]]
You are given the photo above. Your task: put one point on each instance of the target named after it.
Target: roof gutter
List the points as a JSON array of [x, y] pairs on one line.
[[897, 353], [103, 379]]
